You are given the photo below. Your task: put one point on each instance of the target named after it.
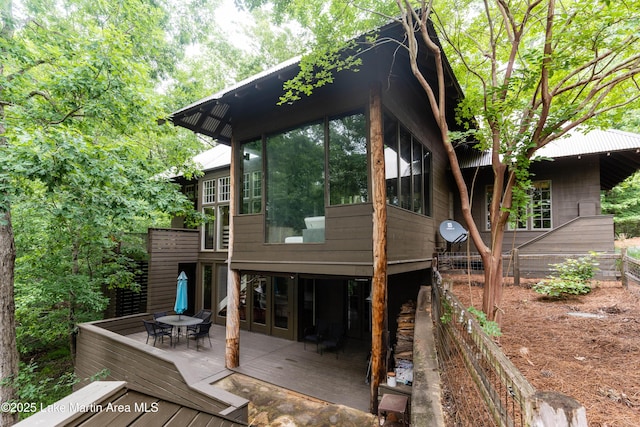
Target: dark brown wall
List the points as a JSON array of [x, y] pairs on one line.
[[347, 249], [578, 236], [575, 191], [348, 243], [167, 249]]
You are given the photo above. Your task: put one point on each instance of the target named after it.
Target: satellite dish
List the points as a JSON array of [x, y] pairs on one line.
[[453, 232]]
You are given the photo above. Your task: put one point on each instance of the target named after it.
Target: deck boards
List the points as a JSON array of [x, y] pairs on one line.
[[283, 363]]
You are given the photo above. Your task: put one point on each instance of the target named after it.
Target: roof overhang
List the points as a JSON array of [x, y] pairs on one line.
[[213, 115]]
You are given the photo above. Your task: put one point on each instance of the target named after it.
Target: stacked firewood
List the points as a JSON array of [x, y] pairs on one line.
[[404, 337]]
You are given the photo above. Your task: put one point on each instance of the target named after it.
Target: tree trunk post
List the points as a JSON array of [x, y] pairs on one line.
[[379, 280], [8, 348], [232, 347]]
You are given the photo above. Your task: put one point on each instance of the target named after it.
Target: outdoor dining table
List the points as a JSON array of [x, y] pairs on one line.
[[178, 321]]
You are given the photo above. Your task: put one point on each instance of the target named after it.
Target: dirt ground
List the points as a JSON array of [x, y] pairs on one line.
[[587, 347]]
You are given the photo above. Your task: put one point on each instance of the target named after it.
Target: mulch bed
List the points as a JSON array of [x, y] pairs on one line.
[[587, 347]]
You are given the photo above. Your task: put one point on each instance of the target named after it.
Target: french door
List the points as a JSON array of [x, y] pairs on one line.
[[272, 300]]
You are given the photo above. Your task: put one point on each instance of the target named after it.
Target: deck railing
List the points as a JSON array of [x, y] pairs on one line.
[[480, 384], [104, 345]]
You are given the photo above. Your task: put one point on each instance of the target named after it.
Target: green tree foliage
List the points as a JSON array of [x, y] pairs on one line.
[[623, 202], [81, 155], [531, 72]]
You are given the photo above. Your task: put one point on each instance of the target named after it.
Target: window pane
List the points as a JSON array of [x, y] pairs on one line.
[[223, 223], [405, 169], [295, 186], [391, 160], [488, 200], [348, 160], [224, 189], [207, 282], [209, 229], [209, 190], [258, 286], [417, 176], [251, 177], [221, 294], [541, 199], [426, 179], [281, 303]]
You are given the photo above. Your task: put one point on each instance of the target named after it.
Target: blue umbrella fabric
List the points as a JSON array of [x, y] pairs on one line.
[[181, 294]]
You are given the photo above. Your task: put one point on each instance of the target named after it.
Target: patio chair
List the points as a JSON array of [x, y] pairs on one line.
[[202, 330], [315, 334], [202, 314], [334, 340], [160, 324], [153, 330]]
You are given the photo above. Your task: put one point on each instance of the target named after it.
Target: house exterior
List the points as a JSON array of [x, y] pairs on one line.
[[301, 232], [291, 188], [564, 216]]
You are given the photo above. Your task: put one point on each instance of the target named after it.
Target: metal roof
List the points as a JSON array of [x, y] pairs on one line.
[[576, 143], [214, 158], [618, 151]]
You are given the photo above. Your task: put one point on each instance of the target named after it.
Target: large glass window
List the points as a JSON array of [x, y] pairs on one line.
[[407, 169], [535, 216], [207, 286], [391, 156], [251, 177], [209, 195], [295, 185], [348, 160], [221, 291], [223, 227], [541, 205], [215, 232]]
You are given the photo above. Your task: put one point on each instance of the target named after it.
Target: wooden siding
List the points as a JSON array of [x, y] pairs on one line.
[[167, 249], [581, 235], [150, 370], [410, 240], [575, 190], [413, 236], [347, 249]]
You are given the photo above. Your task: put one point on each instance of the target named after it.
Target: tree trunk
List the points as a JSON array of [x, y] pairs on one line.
[[379, 280], [8, 349], [232, 338], [493, 280]]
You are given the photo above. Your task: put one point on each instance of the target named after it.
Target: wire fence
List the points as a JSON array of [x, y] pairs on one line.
[[630, 272], [481, 387], [526, 266]]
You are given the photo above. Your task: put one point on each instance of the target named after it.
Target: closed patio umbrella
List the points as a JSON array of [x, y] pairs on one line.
[[181, 294]]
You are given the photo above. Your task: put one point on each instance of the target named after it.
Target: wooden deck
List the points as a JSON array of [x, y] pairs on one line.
[[283, 363]]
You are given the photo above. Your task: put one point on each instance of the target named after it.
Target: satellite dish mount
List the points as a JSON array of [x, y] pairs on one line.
[[453, 232]]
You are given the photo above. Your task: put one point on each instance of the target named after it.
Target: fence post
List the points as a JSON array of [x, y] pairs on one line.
[[553, 409], [516, 267], [623, 268]]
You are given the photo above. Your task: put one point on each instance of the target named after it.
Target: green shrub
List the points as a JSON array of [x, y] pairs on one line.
[[490, 327], [556, 287], [572, 277]]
